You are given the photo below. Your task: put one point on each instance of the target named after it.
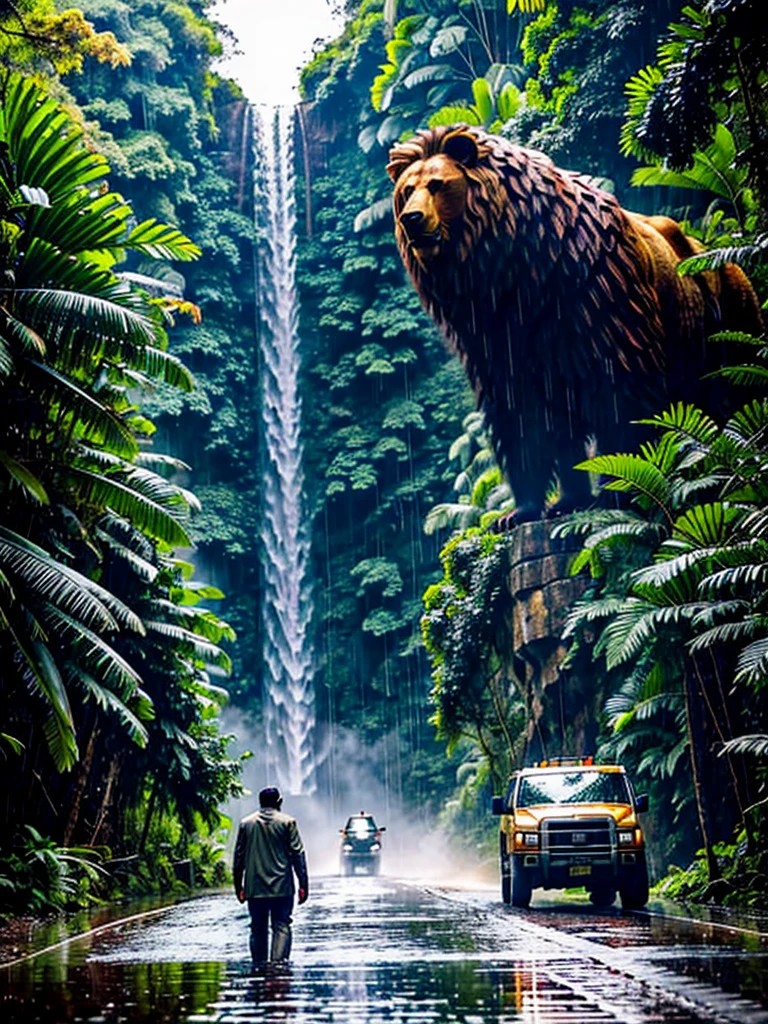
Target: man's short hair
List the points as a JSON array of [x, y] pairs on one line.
[[270, 797]]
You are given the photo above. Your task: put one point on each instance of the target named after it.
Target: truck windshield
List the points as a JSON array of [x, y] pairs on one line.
[[574, 787]]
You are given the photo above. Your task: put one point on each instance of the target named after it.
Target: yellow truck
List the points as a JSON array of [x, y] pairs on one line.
[[569, 823]]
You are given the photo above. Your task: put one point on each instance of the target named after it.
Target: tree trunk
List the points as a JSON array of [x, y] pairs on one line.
[[150, 813], [693, 723], [101, 816], [80, 786]]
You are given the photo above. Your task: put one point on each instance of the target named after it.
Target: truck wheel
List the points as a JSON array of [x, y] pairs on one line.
[[634, 893], [602, 897], [521, 888], [506, 881], [506, 870]]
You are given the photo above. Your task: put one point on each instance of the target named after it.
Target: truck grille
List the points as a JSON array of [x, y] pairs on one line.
[[570, 840]]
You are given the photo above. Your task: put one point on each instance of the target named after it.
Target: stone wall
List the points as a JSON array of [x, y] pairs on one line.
[[562, 716]]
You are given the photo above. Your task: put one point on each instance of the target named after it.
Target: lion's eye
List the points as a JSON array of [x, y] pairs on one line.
[[434, 186], [407, 192]]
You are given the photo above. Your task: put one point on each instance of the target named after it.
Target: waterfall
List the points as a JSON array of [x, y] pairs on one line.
[[289, 706]]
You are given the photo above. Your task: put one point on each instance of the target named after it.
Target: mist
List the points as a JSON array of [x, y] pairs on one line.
[[413, 847]]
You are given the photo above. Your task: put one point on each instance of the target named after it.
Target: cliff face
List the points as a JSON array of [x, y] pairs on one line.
[[235, 122], [561, 702]]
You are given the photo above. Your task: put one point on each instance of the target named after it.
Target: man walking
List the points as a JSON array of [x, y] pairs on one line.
[[267, 853]]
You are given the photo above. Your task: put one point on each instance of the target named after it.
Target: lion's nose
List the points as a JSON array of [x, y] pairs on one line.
[[411, 220]]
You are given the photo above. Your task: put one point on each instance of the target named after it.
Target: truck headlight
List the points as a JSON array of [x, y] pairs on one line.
[[375, 847], [626, 838], [529, 839], [347, 847]]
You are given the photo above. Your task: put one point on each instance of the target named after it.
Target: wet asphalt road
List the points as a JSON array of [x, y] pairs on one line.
[[378, 950]]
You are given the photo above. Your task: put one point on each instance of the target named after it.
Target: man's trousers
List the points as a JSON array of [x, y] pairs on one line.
[[274, 910]]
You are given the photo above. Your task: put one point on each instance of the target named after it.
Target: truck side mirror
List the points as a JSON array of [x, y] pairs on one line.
[[641, 803], [383, 828], [497, 805]]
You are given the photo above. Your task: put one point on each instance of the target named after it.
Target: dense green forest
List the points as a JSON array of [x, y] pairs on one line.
[[130, 591]]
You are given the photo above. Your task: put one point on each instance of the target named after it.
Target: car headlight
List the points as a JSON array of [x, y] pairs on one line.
[[626, 838], [375, 847], [347, 847], [527, 839]]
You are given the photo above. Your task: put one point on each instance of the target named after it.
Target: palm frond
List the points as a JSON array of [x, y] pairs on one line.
[[456, 515], [632, 473], [81, 222], [746, 574], [374, 214], [707, 525], [684, 492], [25, 338], [124, 532], [748, 423], [126, 501], [628, 634], [748, 256], [752, 663], [24, 478], [97, 655], [745, 375], [754, 745], [140, 566], [161, 241], [589, 520], [158, 489], [656, 581], [46, 147], [42, 675], [201, 621], [110, 702], [203, 651], [169, 369], [91, 315], [160, 459], [90, 418], [686, 421], [640, 90], [725, 634], [38, 577], [592, 610]]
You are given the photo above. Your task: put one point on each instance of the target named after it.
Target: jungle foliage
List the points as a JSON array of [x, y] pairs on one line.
[[127, 363], [672, 620], [110, 649]]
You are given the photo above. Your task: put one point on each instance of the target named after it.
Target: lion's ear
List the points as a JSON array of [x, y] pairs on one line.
[[396, 167], [461, 147]]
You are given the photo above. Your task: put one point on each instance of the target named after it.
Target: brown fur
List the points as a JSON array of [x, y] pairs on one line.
[[566, 310]]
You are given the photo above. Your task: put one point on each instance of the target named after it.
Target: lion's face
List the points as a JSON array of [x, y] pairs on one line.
[[430, 195], [431, 192]]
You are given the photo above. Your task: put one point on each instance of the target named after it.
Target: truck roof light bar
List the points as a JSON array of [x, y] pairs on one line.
[[561, 762]]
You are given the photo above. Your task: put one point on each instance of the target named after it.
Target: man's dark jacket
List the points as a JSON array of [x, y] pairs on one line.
[[267, 852]]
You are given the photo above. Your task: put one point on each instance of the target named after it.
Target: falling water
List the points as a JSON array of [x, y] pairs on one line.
[[289, 709]]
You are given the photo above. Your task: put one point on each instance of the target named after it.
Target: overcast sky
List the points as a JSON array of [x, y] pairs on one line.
[[276, 38]]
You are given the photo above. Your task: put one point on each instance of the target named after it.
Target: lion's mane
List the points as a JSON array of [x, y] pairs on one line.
[[566, 310]]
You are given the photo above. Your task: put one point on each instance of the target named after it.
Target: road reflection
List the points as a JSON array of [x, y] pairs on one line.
[[365, 950]]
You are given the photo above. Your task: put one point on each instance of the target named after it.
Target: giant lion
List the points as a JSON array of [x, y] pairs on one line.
[[566, 310]]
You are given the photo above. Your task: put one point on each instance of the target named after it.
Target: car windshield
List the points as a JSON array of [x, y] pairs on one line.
[[361, 826], [574, 787]]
